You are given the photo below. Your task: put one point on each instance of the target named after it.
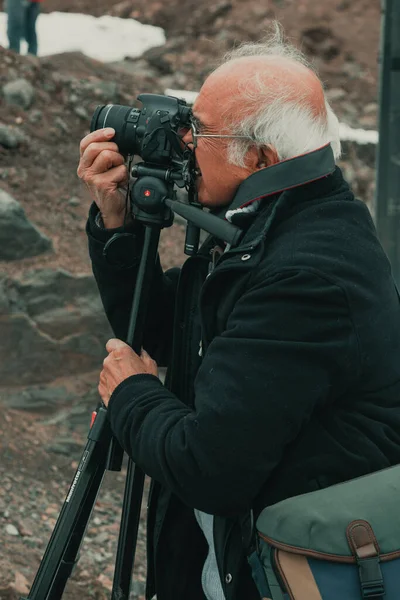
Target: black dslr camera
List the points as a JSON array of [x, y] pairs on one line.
[[153, 133]]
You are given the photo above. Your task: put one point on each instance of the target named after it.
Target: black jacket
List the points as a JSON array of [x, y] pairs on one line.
[[298, 387]]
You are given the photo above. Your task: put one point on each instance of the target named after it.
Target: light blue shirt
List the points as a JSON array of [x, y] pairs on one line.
[[210, 579]]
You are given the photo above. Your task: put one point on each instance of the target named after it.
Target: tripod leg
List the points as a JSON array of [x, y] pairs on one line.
[[62, 549], [71, 553], [135, 477], [130, 519]]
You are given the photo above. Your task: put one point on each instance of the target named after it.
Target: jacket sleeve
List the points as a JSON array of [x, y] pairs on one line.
[[287, 344], [116, 286]]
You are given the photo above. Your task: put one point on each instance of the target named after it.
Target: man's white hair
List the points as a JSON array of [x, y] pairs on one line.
[[288, 125]]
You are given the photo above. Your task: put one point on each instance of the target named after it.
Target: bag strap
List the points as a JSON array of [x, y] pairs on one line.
[[250, 547], [365, 548]]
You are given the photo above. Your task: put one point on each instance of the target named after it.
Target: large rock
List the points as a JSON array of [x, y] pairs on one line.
[[27, 355], [19, 238], [19, 92], [10, 137], [68, 401], [36, 398], [60, 303], [52, 325]]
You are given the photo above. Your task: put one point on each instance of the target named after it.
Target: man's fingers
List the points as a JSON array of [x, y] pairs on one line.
[[92, 152], [103, 391], [106, 161], [101, 163], [103, 379], [115, 344], [100, 135], [149, 362]]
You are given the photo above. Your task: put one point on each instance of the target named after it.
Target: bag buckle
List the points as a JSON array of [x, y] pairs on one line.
[[371, 578], [373, 591]]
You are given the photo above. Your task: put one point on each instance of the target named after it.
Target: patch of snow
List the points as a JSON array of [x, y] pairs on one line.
[[106, 38]]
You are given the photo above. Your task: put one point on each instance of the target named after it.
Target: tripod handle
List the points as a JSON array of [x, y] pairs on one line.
[[221, 229]]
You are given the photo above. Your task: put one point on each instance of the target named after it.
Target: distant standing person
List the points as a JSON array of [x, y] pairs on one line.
[[21, 23]]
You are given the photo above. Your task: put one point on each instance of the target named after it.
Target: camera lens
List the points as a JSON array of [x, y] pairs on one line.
[[124, 119]]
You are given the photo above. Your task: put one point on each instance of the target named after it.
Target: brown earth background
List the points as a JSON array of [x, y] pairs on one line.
[[40, 449]]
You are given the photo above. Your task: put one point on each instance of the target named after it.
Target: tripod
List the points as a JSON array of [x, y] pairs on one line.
[[152, 203]]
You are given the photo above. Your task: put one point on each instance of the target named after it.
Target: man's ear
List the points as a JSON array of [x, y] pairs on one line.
[[261, 157], [267, 156]]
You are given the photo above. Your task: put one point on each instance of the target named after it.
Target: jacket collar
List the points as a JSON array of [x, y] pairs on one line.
[[306, 177], [276, 206], [286, 175]]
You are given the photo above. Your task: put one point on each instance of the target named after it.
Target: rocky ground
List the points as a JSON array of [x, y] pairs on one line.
[[39, 458], [39, 138]]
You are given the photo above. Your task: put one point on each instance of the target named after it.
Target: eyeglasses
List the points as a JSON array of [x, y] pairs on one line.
[[196, 135]]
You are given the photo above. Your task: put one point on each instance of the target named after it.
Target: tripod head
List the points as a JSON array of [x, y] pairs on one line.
[[153, 198]]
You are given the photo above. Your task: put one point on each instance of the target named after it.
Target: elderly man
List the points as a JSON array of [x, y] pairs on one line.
[[297, 382]]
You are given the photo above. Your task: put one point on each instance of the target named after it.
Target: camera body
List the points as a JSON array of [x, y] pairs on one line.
[[152, 132]]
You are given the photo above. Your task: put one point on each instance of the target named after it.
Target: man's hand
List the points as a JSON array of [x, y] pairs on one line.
[[122, 362], [103, 170]]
